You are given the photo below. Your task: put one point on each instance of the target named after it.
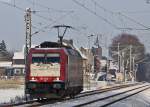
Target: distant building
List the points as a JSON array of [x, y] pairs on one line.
[[18, 63], [93, 57], [89, 55], [6, 68], [97, 52]]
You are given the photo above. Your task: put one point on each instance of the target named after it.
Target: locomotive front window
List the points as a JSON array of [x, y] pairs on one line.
[[38, 58], [52, 58], [45, 58]]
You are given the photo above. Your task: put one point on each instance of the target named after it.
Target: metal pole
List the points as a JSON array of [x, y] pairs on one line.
[[27, 41], [130, 61], [130, 57], [89, 68], [134, 68], [123, 62], [118, 58], [28, 33], [28, 28]]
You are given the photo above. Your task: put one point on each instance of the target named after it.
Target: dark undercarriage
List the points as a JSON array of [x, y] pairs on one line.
[[51, 90]]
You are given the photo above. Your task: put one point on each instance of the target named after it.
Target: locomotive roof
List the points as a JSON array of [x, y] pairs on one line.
[[49, 44]]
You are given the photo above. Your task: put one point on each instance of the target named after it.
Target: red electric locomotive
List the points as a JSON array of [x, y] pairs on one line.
[[53, 71]]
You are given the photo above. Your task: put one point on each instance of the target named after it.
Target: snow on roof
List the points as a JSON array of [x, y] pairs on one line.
[[18, 55], [82, 55], [5, 64]]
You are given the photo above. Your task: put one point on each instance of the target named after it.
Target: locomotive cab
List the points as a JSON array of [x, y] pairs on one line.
[[53, 71]]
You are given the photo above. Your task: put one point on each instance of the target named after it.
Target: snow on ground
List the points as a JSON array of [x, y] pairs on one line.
[[10, 94], [76, 101], [140, 100], [96, 85]]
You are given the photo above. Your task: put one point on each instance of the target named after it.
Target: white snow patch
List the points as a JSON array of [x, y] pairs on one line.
[[8, 94], [139, 100]]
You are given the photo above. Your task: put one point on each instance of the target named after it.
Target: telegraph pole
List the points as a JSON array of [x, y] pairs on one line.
[[123, 64], [130, 57], [27, 40], [133, 61], [28, 30], [89, 64], [118, 58]]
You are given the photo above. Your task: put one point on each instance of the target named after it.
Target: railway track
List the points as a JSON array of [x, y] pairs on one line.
[[105, 90], [103, 99], [36, 103], [109, 100]]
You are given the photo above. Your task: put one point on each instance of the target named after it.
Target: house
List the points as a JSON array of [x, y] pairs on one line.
[[18, 63]]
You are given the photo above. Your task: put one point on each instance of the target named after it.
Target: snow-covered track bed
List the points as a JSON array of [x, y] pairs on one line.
[[72, 102], [103, 99], [87, 93]]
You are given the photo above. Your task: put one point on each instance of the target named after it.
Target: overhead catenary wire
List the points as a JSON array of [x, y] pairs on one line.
[[136, 12], [48, 8], [50, 25], [12, 5], [40, 16], [97, 15], [101, 7], [127, 17], [21, 9], [56, 10], [134, 21]]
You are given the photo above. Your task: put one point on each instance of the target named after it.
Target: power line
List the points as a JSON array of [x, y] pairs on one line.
[[134, 21], [45, 18], [91, 11], [135, 12], [56, 10], [34, 12], [13, 5], [47, 26], [119, 13], [48, 8], [21, 9], [101, 7]]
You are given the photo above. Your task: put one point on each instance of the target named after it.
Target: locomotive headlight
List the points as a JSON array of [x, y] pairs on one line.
[[57, 78], [33, 79]]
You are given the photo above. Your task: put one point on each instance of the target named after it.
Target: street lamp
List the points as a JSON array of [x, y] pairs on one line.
[[60, 36]]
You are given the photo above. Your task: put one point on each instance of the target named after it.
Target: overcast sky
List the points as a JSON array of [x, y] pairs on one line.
[[91, 17]]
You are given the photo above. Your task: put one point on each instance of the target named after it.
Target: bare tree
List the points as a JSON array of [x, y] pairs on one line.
[[125, 41], [127, 47]]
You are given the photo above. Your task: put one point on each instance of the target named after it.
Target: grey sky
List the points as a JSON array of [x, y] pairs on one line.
[[12, 26]]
